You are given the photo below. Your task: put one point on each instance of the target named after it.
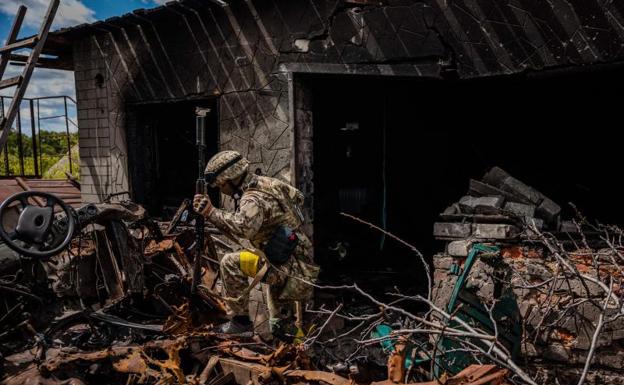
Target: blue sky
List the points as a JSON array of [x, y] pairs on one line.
[[71, 12]]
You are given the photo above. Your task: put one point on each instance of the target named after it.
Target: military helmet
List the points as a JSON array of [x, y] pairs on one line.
[[224, 166]]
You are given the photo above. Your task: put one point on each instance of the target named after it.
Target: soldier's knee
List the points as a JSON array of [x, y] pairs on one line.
[[230, 261], [243, 262]]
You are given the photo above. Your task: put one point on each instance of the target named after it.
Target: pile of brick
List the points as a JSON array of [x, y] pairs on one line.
[[556, 333], [558, 312], [497, 208]]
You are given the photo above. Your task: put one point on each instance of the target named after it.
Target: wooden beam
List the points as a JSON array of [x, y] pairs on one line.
[[10, 82], [26, 43], [17, 24], [20, 181]]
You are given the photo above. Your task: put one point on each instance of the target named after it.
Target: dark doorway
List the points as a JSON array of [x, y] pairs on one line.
[[163, 154], [397, 152]]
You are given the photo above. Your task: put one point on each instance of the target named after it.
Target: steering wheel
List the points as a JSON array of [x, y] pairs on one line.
[[36, 234]]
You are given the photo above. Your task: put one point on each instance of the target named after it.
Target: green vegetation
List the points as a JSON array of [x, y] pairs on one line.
[[52, 154]]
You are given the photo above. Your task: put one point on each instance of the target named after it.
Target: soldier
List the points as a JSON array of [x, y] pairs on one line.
[[268, 215]]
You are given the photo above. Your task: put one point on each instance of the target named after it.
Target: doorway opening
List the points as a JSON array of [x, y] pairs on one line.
[[397, 152], [163, 157]]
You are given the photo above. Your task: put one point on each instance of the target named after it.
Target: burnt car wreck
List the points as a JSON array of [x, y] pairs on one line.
[[377, 114]]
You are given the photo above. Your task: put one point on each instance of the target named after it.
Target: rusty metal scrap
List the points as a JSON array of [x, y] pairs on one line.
[[285, 354], [396, 362], [155, 247], [472, 375], [143, 360], [203, 377], [479, 374], [167, 361], [123, 313], [314, 375], [180, 322], [32, 376]]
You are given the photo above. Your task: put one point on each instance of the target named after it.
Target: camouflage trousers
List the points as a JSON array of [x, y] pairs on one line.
[[280, 299]]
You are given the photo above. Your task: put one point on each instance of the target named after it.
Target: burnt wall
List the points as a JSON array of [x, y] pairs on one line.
[[243, 53]]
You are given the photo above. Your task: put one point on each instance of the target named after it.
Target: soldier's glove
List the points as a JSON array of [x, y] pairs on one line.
[[202, 204]]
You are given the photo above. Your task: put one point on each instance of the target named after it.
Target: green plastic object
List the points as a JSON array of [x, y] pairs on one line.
[[455, 269], [472, 311], [461, 281], [505, 313]]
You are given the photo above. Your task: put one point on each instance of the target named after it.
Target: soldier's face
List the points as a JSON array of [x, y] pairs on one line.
[[226, 188]]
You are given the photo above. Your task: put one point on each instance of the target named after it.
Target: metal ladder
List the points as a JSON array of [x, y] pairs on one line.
[[36, 44]]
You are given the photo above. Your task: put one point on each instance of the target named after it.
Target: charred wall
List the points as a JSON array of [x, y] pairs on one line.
[[246, 54]]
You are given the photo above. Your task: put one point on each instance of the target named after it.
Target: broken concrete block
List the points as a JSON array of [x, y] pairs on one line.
[[613, 360], [520, 209], [443, 285], [495, 177], [452, 230], [548, 210], [557, 352], [618, 329], [451, 210], [442, 261], [477, 188], [481, 205], [493, 231], [587, 314], [539, 223], [515, 186], [538, 271], [585, 289], [459, 248]]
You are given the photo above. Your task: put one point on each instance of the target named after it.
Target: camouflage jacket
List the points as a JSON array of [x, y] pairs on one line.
[[265, 204]]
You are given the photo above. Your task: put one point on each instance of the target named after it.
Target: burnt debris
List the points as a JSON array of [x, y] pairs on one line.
[[520, 294], [548, 286]]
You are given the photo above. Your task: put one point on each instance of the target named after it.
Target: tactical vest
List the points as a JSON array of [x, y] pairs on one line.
[[289, 199]]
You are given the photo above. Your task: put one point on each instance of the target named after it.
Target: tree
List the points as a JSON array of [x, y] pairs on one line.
[[51, 146]]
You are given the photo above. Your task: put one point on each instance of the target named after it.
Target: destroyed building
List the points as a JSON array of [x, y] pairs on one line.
[[380, 109]]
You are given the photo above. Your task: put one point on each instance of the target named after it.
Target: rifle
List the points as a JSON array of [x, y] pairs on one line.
[[200, 188]]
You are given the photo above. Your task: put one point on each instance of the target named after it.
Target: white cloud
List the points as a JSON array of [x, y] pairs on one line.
[[70, 12], [51, 115], [44, 82]]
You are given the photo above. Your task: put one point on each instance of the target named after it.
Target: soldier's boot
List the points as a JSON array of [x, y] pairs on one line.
[[239, 325]]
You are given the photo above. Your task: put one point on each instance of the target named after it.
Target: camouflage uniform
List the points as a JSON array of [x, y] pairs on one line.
[[265, 204]]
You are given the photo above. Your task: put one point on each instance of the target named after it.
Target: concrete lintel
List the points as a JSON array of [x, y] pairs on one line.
[[423, 70]]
